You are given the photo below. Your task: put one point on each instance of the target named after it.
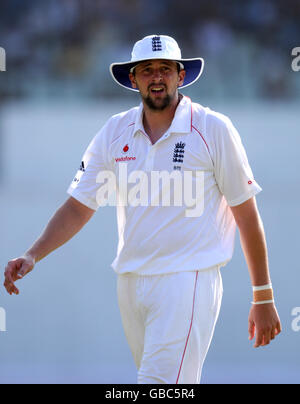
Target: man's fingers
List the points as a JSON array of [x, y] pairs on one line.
[[251, 330], [259, 339], [14, 271], [266, 323], [273, 333], [264, 337], [14, 290], [8, 277], [11, 288], [278, 328], [24, 269], [267, 337], [19, 269], [8, 283], [22, 272]]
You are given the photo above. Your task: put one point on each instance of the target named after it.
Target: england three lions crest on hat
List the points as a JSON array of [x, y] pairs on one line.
[[156, 47]]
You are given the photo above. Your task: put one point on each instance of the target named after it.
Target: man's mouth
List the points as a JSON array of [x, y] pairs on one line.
[[157, 90]]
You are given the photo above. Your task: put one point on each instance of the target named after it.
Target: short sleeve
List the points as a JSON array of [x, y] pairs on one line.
[[232, 170], [84, 186]]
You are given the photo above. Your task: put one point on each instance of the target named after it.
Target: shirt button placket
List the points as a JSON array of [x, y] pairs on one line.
[[149, 163]]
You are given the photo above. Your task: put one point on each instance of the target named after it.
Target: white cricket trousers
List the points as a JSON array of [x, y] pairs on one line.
[[169, 321]]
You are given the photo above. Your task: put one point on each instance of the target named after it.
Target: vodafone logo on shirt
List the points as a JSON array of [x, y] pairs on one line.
[[127, 158], [118, 159]]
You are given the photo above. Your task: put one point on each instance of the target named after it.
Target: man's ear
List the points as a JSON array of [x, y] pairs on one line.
[[132, 79], [181, 76]]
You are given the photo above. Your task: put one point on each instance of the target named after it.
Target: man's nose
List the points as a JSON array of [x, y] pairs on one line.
[[157, 74]]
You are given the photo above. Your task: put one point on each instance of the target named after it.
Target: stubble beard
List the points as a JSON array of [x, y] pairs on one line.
[[162, 104], [165, 102]]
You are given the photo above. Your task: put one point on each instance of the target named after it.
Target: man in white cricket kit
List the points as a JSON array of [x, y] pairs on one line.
[[168, 262]]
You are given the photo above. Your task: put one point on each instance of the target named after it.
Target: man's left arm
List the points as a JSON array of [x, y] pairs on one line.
[[263, 318]]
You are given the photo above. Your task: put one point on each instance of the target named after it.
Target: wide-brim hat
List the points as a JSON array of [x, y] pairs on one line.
[[156, 47]]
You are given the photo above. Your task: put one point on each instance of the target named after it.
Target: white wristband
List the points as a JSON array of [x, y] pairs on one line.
[[263, 302], [263, 287]]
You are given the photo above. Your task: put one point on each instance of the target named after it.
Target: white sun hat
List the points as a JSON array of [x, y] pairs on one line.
[[156, 47]]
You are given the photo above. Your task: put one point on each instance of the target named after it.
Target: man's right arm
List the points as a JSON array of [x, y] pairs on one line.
[[65, 223]]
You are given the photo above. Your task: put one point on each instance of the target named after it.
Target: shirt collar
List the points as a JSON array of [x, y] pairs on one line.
[[182, 121]]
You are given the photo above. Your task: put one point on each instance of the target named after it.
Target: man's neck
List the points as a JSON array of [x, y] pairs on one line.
[[156, 123]]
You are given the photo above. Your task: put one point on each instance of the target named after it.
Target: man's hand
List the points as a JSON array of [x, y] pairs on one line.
[[264, 322], [65, 223], [16, 269]]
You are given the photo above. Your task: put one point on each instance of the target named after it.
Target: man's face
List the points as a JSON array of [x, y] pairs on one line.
[[158, 81]]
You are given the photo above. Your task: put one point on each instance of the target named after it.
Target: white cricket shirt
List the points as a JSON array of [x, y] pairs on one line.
[[158, 239]]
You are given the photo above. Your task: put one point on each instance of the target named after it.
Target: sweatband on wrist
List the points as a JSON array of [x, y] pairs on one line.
[[263, 294], [263, 302], [263, 287]]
